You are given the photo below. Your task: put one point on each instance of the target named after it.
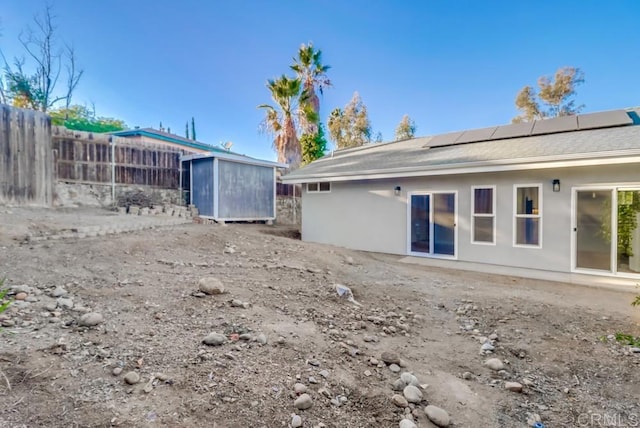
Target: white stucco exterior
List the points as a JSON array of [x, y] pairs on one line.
[[367, 215]]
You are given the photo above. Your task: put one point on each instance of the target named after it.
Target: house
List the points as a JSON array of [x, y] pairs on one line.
[[554, 199], [226, 186], [154, 136]]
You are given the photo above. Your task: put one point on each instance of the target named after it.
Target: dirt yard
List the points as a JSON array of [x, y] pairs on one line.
[[280, 322]]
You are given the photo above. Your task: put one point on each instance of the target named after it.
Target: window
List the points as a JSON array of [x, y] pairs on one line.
[[483, 213], [528, 215], [319, 187]]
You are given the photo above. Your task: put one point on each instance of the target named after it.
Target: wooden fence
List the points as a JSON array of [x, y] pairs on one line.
[[82, 157], [26, 162]]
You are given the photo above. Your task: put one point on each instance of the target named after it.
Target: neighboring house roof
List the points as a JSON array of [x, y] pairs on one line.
[[165, 136], [439, 155]]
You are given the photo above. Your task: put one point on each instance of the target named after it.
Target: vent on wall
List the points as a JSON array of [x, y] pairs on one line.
[[606, 119]]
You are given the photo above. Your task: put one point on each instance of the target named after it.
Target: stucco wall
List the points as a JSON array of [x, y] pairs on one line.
[[366, 215]]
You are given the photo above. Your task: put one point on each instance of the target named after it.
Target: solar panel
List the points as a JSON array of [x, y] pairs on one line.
[[557, 124], [514, 130], [475, 135], [444, 139], [604, 119]]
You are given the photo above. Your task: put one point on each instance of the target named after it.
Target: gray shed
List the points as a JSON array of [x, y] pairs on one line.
[[226, 186]]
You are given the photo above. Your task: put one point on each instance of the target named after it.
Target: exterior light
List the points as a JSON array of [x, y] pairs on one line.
[[556, 185], [397, 190]]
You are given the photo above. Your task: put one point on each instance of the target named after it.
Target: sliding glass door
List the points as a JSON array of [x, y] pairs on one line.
[[607, 230], [432, 223]]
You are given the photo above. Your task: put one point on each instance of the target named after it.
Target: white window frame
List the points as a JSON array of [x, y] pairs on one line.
[[516, 216], [318, 184], [492, 215]]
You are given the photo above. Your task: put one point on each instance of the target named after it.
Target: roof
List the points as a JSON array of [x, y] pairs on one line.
[[419, 157], [165, 136], [223, 154]]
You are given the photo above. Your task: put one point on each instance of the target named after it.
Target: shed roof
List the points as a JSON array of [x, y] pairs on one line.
[[418, 157], [223, 154]]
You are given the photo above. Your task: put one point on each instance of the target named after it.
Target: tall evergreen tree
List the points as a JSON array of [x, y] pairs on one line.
[[193, 129]]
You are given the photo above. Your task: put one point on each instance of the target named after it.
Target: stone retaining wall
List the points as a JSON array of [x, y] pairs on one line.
[[99, 195], [286, 206]]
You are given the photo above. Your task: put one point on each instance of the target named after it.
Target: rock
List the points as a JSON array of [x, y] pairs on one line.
[[21, 296], [634, 350], [406, 423], [368, 338], [373, 361], [513, 386], [367, 373], [325, 392], [494, 364], [303, 402], [390, 357], [437, 415], [314, 363], [467, 375], [65, 303], [245, 336], [214, 339], [409, 379], [399, 400], [262, 339], [398, 385], [116, 371], [211, 285], [324, 373], [132, 378], [236, 303], [394, 368], [349, 260], [412, 394], [296, 421], [493, 336], [59, 292], [91, 319], [487, 347], [299, 388], [312, 379]]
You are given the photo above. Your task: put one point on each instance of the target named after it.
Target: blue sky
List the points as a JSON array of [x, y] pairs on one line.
[[450, 65]]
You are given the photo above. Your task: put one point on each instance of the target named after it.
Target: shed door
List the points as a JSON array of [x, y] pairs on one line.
[[202, 185]]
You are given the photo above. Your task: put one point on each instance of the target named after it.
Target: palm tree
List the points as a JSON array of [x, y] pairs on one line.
[[309, 69], [280, 120]]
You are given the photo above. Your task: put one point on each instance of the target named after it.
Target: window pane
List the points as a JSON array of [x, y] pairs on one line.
[[325, 187], [527, 200], [483, 229], [312, 187], [420, 223], [527, 231], [483, 201]]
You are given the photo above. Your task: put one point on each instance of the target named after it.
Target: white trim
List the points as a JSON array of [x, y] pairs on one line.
[[216, 180], [234, 157], [210, 217], [468, 168], [190, 182], [516, 216], [275, 194], [493, 215], [431, 254]]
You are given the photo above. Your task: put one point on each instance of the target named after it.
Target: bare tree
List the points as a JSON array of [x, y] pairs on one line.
[[40, 45]]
